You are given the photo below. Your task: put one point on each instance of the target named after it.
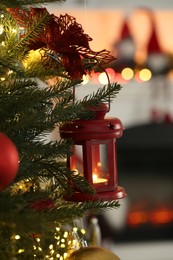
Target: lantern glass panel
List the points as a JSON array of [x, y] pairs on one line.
[[100, 170], [76, 160]]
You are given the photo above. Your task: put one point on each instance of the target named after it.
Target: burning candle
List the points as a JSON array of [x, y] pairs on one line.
[[97, 180]]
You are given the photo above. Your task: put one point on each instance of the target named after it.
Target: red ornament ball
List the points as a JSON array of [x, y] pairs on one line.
[[9, 161]]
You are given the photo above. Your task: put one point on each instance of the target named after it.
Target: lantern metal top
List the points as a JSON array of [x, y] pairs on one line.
[[97, 128]]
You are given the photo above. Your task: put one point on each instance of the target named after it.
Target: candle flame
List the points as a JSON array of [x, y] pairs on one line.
[[95, 177]]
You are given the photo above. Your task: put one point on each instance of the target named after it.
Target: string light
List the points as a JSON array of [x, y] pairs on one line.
[[145, 74], [127, 73], [1, 29], [85, 79], [17, 237], [103, 78]]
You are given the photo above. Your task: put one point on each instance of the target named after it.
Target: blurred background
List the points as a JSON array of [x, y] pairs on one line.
[[140, 35]]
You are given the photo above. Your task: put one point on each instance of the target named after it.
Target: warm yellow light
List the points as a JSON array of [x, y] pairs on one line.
[[57, 229], [1, 29], [3, 43], [14, 30], [127, 73], [94, 176], [2, 15], [103, 79], [85, 79], [65, 234], [62, 245], [50, 246], [83, 231], [65, 255], [10, 72], [75, 229], [38, 239], [21, 251], [75, 172], [145, 74], [17, 237], [32, 56], [99, 164]]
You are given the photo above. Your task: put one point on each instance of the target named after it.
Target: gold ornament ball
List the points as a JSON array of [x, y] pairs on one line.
[[93, 253]]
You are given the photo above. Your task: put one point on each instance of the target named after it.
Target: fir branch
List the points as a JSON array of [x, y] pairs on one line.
[[21, 48], [71, 211], [103, 94], [18, 3]]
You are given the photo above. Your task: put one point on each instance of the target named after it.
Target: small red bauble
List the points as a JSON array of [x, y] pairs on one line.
[[43, 204], [9, 161]]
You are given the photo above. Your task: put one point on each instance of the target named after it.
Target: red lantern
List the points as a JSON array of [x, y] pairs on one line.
[[94, 154]]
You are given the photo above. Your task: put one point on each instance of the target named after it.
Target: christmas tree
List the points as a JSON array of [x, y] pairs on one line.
[[38, 48]]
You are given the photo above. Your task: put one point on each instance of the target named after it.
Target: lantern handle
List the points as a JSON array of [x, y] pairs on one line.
[[109, 83]]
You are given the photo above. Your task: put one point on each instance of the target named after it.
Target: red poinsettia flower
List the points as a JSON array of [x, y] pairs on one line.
[[64, 42]]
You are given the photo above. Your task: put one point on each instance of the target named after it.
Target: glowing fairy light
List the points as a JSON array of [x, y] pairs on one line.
[[10, 72], [1, 29], [127, 73], [75, 229], [51, 246], [14, 30], [103, 79], [65, 234], [85, 79], [3, 43], [64, 243], [83, 231], [21, 251], [145, 74], [17, 237]]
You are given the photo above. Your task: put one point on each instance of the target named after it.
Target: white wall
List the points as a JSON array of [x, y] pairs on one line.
[[135, 100]]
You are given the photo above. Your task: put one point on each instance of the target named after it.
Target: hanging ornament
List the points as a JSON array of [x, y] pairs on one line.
[[42, 205], [63, 42], [9, 161], [125, 48], [93, 253], [157, 60], [94, 154]]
